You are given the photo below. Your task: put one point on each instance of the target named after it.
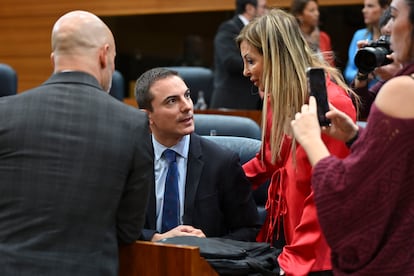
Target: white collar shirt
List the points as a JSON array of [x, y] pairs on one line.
[[243, 19], [160, 172]]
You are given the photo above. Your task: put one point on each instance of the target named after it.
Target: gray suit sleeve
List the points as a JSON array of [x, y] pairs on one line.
[[131, 212]]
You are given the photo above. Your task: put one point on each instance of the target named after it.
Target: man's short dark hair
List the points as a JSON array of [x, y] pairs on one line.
[[241, 5], [143, 85]]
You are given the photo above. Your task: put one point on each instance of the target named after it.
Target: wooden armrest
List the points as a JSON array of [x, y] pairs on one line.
[[156, 259]]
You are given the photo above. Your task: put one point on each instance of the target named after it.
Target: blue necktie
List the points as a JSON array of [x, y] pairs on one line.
[[171, 209]]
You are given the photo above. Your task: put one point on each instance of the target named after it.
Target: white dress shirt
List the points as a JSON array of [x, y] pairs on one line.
[[160, 171]]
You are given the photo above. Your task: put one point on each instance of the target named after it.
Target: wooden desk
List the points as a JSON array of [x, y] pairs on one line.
[[255, 115], [157, 259]]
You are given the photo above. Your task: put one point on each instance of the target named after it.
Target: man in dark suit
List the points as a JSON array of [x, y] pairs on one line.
[[215, 198], [231, 88], [75, 164]]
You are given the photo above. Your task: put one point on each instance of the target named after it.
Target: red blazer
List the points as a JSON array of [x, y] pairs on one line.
[[291, 197], [325, 47]]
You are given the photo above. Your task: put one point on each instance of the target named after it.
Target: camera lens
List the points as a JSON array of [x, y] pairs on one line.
[[369, 58], [373, 55]]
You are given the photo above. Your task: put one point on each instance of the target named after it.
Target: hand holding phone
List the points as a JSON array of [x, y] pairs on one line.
[[317, 88]]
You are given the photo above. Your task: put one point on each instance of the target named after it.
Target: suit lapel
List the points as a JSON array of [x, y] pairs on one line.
[[150, 221], [237, 21], [151, 213], [194, 168]]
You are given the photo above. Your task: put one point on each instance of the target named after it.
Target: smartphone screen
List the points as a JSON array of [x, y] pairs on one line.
[[317, 88]]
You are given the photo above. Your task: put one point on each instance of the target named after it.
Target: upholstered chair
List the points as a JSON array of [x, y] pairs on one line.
[[8, 80]]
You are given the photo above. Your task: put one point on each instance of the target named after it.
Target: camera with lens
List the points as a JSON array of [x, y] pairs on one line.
[[373, 55]]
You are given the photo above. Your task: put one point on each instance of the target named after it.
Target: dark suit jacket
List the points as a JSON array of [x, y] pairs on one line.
[[231, 88], [218, 196], [75, 168]]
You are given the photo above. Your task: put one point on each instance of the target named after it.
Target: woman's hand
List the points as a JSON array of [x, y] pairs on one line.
[[388, 71], [307, 132], [306, 126], [342, 127], [362, 43]]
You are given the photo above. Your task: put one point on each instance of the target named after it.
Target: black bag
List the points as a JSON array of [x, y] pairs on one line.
[[231, 257]]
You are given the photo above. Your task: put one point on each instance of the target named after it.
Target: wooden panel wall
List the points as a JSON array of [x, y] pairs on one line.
[[26, 25]]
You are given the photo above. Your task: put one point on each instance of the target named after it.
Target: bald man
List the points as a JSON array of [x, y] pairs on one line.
[[75, 163]]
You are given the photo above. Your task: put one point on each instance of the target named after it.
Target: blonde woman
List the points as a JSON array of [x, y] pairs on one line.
[[276, 56]]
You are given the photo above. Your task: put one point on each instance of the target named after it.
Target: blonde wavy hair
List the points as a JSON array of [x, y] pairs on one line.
[[286, 56]]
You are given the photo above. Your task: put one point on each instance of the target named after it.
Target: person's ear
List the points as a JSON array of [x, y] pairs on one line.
[[103, 56], [149, 114], [52, 59], [146, 111]]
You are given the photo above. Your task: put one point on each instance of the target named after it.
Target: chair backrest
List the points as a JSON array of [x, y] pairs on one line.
[[118, 86], [8, 80], [226, 125], [197, 79], [244, 146], [247, 149]]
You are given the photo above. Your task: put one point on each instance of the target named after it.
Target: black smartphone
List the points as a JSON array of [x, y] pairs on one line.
[[317, 88]]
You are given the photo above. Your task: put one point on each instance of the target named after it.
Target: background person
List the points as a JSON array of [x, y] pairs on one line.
[[384, 73], [276, 57], [214, 194], [372, 12], [231, 88], [307, 14], [75, 163]]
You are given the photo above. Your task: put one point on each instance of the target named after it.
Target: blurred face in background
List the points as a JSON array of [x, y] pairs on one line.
[[261, 7], [372, 12], [310, 15], [386, 29]]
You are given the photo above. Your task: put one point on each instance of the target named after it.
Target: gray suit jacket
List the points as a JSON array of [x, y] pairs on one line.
[[75, 170], [218, 196]]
